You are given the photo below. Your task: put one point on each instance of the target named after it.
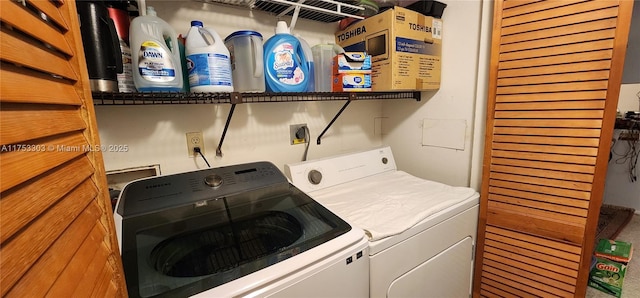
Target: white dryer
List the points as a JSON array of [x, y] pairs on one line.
[[421, 233]]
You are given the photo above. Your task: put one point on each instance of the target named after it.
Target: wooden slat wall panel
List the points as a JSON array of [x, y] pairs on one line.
[[561, 31], [17, 122], [533, 243], [530, 275], [553, 69], [539, 181], [558, 11], [527, 148], [46, 270], [558, 78], [104, 282], [21, 251], [578, 206], [41, 58], [539, 203], [523, 163], [515, 3], [54, 203], [555, 76], [567, 58], [570, 19], [19, 166], [558, 132], [69, 279], [546, 114], [586, 160], [528, 267], [545, 5], [489, 287], [15, 15], [556, 41], [568, 141], [40, 195], [52, 12], [552, 105], [551, 52], [558, 87], [561, 123], [90, 275], [533, 188], [43, 88]]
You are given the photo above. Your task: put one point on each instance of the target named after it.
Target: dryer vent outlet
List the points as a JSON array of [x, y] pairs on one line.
[[298, 133]]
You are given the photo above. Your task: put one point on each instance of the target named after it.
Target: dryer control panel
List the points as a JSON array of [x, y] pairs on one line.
[[322, 173]]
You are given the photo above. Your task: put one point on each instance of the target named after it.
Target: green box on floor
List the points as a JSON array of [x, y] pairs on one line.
[[613, 250], [607, 276]]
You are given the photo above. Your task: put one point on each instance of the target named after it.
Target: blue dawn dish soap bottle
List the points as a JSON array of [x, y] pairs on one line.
[[285, 64], [208, 60], [155, 54]]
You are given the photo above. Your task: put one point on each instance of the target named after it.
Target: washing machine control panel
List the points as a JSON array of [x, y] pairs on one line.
[[315, 177], [158, 193], [213, 180]]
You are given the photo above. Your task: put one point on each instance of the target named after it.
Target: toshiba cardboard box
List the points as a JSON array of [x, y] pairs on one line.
[[405, 48]]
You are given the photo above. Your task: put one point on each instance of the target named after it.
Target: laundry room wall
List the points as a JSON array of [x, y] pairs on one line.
[[620, 189], [441, 138], [260, 131], [155, 134]]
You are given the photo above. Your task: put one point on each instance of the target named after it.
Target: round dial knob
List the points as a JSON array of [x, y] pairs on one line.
[[315, 177], [213, 180], [385, 160]]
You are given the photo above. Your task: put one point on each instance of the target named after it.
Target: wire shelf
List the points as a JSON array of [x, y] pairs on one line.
[[162, 98], [318, 10]]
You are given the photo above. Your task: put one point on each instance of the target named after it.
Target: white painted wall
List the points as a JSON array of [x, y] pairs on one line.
[[156, 134], [258, 131], [619, 189], [466, 37], [629, 99]]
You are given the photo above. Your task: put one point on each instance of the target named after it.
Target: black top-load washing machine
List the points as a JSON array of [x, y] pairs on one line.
[[222, 231]]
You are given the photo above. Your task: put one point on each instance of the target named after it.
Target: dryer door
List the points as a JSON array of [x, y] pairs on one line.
[[447, 274]]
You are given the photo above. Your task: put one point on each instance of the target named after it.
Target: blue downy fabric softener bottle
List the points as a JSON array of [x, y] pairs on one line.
[[286, 68]]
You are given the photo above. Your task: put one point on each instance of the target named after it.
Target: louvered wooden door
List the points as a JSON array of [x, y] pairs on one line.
[[56, 227], [555, 75]]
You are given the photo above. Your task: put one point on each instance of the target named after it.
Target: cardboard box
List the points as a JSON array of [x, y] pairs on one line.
[[607, 276], [352, 62], [405, 48], [351, 82], [617, 251]]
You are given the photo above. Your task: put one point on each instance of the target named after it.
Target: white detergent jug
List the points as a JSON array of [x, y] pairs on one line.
[[247, 67], [208, 60], [155, 55]]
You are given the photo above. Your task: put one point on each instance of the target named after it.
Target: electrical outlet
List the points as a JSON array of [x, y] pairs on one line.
[[194, 139], [297, 133]]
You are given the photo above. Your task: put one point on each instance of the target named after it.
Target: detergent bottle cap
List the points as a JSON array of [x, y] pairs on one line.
[[151, 11], [281, 27], [197, 24]]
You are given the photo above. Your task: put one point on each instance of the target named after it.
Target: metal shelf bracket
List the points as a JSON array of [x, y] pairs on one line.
[[352, 96], [236, 98]]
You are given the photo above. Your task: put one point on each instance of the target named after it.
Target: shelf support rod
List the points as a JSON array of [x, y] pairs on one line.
[[224, 132], [332, 121], [236, 98]]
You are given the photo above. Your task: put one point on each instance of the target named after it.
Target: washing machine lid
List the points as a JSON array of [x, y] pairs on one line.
[[185, 247]]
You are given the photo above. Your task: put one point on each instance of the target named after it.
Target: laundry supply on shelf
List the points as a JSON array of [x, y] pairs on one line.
[[155, 54], [286, 68], [208, 60], [247, 65]]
